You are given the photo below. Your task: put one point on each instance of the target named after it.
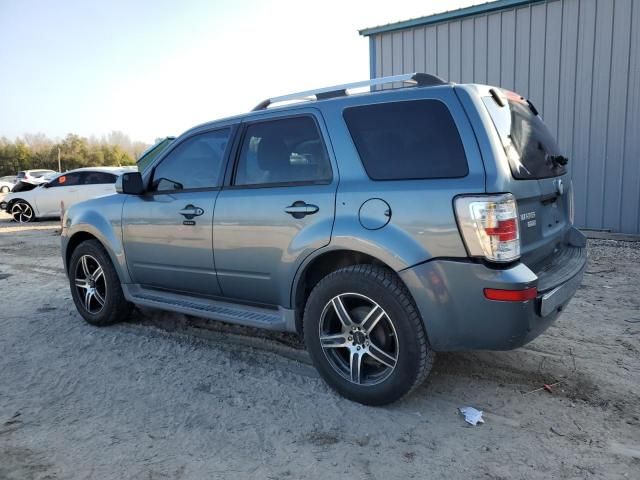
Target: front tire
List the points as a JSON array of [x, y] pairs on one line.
[[4, 189], [365, 335], [95, 286], [22, 212]]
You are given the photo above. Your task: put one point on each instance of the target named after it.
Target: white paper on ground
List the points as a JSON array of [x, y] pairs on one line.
[[471, 415]]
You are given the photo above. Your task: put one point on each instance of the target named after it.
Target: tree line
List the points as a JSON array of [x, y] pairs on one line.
[[33, 151]]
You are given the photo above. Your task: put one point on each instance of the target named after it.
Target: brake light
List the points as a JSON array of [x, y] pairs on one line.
[[489, 226]]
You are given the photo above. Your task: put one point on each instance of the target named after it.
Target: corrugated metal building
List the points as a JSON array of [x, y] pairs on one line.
[[578, 61]]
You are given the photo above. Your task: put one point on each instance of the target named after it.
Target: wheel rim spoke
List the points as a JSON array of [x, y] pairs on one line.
[[99, 298], [342, 313], [334, 341], [82, 283], [381, 356], [355, 366], [97, 273], [87, 299], [372, 318], [85, 267]]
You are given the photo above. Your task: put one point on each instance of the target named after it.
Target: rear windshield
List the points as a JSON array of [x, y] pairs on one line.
[[415, 139], [529, 145]]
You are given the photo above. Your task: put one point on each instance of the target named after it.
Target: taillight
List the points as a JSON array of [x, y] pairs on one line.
[[489, 226]]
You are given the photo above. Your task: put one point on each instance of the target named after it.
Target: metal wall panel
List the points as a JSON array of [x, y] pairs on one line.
[[579, 63]]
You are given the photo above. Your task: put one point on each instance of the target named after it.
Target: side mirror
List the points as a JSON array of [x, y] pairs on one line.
[[130, 183]]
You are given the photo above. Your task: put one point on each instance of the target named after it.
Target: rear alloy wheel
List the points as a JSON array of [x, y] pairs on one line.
[[22, 212], [365, 335], [358, 339]]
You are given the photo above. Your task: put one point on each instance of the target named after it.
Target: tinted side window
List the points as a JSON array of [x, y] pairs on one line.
[[288, 150], [407, 140], [195, 163], [67, 180], [96, 178]]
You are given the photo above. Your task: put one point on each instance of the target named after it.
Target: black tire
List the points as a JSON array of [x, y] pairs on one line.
[[4, 189], [115, 307], [412, 356], [22, 212]]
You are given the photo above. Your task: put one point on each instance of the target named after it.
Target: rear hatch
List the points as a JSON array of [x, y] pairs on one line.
[[540, 182]]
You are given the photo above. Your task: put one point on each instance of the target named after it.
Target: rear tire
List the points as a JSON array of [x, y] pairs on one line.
[[4, 189], [95, 286], [365, 335]]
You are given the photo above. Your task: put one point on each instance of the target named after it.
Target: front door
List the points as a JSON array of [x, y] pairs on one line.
[[278, 209], [168, 235], [61, 190]]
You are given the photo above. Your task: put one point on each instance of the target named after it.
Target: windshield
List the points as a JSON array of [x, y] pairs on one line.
[[151, 153], [529, 145]]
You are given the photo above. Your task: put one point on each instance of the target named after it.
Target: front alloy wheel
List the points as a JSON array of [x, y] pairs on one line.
[[22, 212], [90, 284], [95, 286]]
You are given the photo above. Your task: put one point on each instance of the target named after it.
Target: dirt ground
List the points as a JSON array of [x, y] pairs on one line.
[[163, 396]]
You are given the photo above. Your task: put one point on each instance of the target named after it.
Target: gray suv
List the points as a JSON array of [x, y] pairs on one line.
[[417, 217]]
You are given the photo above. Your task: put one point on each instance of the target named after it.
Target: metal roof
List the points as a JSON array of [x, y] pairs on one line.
[[446, 16]]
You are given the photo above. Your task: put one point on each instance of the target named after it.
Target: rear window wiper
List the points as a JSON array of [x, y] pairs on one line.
[[559, 160]]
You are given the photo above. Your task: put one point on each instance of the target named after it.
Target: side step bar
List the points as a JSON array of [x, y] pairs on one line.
[[282, 319]]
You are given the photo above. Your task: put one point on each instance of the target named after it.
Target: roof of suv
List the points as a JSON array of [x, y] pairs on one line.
[[408, 80]]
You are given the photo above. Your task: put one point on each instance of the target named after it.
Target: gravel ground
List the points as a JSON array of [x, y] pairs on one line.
[[164, 396]]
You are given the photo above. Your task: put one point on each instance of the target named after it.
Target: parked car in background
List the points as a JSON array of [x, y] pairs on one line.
[[7, 183], [46, 200], [383, 227], [34, 174]]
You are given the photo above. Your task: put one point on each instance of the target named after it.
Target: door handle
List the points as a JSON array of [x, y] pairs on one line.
[[299, 209], [191, 211]]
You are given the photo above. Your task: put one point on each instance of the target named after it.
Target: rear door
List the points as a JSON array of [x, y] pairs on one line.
[[540, 181], [278, 208], [168, 232], [96, 184]]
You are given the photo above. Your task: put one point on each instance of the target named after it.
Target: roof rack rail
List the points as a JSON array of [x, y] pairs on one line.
[[416, 79]]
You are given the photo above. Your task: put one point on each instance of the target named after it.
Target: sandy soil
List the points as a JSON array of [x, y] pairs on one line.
[[163, 396]]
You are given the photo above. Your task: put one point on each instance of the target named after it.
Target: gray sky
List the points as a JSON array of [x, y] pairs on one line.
[[155, 68]]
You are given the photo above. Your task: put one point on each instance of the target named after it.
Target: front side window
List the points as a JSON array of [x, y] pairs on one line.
[[97, 178], [288, 150], [195, 163], [415, 139], [152, 153]]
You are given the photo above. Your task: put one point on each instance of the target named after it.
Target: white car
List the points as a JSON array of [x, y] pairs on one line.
[[7, 183], [30, 175], [63, 190]]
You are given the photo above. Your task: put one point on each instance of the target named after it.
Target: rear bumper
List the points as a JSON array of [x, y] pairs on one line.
[[457, 316]]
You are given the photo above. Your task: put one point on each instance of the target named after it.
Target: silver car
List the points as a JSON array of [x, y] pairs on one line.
[[382, 227]]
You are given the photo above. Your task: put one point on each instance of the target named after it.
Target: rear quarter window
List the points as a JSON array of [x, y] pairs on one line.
[[415, 139]]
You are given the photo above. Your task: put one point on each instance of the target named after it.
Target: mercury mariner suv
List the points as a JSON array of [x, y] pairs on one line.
[[415, 217]]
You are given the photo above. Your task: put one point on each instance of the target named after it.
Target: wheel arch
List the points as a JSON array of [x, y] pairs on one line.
[[318, 266]]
